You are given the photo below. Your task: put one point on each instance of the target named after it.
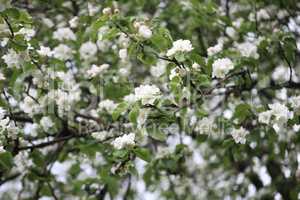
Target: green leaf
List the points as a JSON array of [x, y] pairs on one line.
[[96, 25], [120, 154], [161, 39], [122, 107], [143, 153], [6, 161], [227, 143], [25, 17], [111, 34], [157, 134], [290, 48], [204, 80], [202, 138], [242, 112], [12, 13], [38, 158], [116, 91], [133, 114], [110, 181]]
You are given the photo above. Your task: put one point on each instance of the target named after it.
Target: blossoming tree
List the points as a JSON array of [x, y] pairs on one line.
[[135, 99]]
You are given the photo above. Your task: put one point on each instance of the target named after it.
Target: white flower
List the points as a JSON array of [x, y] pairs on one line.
[[88, 50], [145, 32], [74, 22], [2, 150], [295, 103], [124, 71], [28, 105], [265, 117], [215, 49], [281, 73], [64, 34], [230, 31], [239, 135], [97, 70], [123, 141], [101, 135], [123, 54], [44, 51], [296, 127], [147, 93], [282, 14], [27, 32], [248, 49], [106, 11], [31, 129], [102, 32], [48, 22], [180, 46], [123, 40], [281, 112], [62, 52], [12, 59], [221, 67], [93, 9], [3, 123], [278, 115], [137, 24], [2, 77], [196, 66], [262, 14], [2, 113], [159, 69], [46, 123], [4, 42], [130, 98], [238, 22], [205, 126], [107, 105]]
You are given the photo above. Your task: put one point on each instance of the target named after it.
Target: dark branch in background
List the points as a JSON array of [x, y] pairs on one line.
[[9, 108], [36, 64], [102, 193], [45, 144], [19, 118], [9, 178], [28, 90], [62, 139], [52, 191], [287, 61], [227, 8], [255, 17], [12, 35], [127, 192], [75, 7]]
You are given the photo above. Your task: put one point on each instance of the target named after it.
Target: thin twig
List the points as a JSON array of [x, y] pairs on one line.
[[12, 35]]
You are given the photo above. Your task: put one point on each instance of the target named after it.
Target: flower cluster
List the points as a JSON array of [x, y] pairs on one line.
[[221, 67], [278, 115], [147, 94], [239, 135], [123, 141], [180, 46]]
